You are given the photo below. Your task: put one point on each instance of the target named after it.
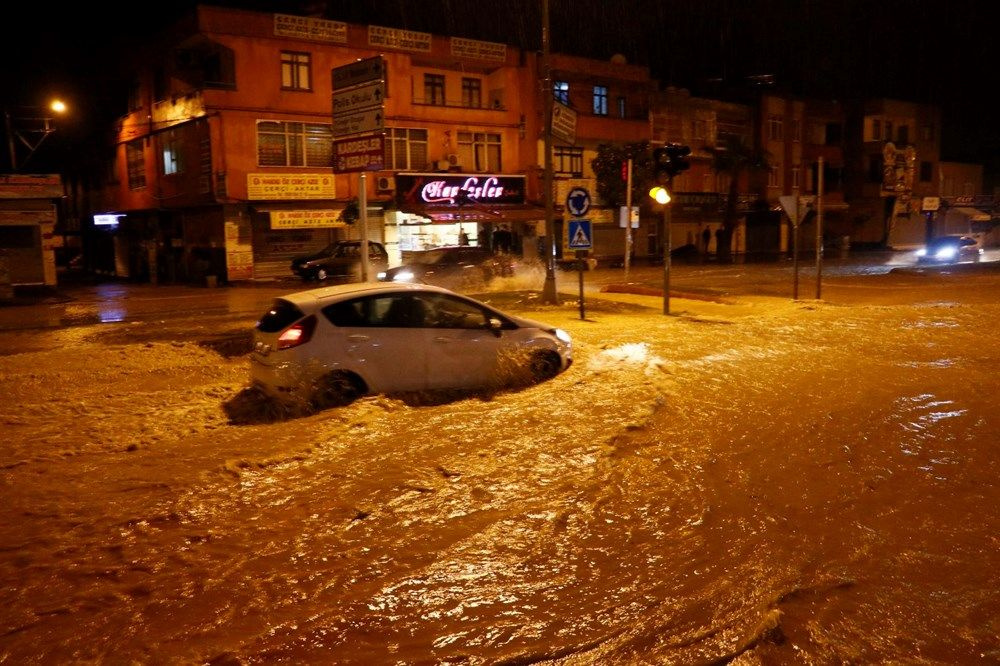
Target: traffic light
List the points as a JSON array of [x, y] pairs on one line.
[[662, 169], [670, 160], [678, 157]]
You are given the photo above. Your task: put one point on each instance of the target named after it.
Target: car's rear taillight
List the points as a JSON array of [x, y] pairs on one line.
[[299, 334]]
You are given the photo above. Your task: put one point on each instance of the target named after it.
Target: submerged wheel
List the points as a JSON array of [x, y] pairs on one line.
[[321, 274], [336, 390], [544, 365]]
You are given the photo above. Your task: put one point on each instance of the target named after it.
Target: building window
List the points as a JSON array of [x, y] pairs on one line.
[[876, 129], [600, 100], [294, 144], [170, 150], [833, 134], [775, 128], [479, 151], [796, 129], [472, 93], [568, 161], [136, 163], [622, 109], [434, 89], [405, 148], [161, 89], [875, 169], [926, 172], [295, 71], [774, 176], [699, 129], [903, 134], [888, 130], [134, 96], [796, 178], [560, 89]]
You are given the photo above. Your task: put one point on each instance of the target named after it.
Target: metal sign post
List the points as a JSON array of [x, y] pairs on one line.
[[581, 259], [628, 218], [666, 257], [363, 221], [358, 121]]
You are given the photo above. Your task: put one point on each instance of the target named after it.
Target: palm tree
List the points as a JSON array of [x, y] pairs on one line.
[[735, 158]]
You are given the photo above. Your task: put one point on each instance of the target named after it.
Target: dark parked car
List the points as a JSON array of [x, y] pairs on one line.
[[951, 249], [341, 261], [459, 267]]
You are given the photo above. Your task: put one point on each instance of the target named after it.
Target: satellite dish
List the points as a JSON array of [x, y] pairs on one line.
[[619, 59]]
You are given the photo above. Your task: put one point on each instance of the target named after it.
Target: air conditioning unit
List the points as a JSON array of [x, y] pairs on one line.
[[443, 165], [385, 184], [453, 159]]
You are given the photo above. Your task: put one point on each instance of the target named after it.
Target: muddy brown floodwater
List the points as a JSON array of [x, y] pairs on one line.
[[756, 481]]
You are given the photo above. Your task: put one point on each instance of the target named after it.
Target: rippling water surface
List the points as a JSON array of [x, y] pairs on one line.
[[805, 483]]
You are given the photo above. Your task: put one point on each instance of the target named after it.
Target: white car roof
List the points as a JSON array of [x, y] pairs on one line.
[[314, 298]]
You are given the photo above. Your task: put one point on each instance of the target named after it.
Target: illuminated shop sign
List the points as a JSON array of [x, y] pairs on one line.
[[443, 189]]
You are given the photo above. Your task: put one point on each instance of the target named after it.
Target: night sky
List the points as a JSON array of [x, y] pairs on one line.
[[843, 49]]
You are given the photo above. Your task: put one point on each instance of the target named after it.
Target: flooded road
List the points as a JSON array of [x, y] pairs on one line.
[[757, 481]]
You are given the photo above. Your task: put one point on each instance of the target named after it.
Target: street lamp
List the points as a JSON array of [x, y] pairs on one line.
[[30, 129]]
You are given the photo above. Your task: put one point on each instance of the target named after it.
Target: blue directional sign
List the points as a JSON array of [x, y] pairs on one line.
[[578, 232], [578, 202]]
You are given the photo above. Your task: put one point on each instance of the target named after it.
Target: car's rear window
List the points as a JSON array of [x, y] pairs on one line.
[[281, 315]]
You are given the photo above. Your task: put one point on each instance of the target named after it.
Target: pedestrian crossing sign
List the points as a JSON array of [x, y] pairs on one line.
[[578, 235]]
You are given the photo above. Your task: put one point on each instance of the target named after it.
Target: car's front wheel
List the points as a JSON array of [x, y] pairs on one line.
[[544, 365], [321, 274], [336, 389]]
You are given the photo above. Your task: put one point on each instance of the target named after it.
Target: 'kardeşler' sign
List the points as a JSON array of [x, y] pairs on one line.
[[444, 189]]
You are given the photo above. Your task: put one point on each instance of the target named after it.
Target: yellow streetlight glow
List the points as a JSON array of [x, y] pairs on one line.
[[660, 195], [58, 106]]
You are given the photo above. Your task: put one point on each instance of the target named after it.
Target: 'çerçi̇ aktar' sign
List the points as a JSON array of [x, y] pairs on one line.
[[444, 188]]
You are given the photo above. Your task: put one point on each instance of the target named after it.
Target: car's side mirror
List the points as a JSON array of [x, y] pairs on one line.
[[494, 325]]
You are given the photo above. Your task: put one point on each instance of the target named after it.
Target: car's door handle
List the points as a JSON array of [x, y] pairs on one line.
[[357, 337]]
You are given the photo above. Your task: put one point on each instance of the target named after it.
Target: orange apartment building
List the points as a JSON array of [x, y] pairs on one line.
[[225, 163]]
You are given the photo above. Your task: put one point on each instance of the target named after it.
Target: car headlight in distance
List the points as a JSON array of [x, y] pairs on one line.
[[562, 335], [381, 276], [922, 252], [945, 253], [403, 276]]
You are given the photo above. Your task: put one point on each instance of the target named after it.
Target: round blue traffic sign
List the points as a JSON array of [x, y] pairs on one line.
[[578, 202]]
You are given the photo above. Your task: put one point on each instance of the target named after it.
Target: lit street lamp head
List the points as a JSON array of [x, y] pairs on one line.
[[29, 130], [660, 195]]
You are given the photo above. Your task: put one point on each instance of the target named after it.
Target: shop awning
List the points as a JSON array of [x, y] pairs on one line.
[[974, 214], [451, 214]]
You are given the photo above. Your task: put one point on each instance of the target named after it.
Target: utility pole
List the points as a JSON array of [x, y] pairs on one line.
[[796, 220], [549, 294], [819, 229]]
